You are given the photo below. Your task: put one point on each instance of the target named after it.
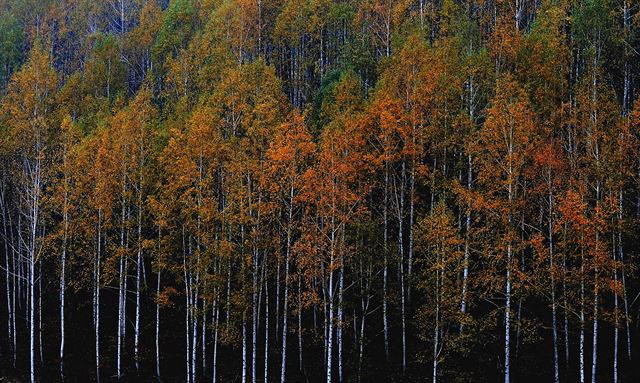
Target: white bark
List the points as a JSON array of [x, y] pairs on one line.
[[244, 349], [97, 297], [329, 337], [63, 261], [8, 273], [436, 330], [283, 362], [158, 328], [300, 366], [594, 357], [266, 327], [339, 324], [465, 271], [216, 316], [385, 326], [582, 335], [138, 268], [556, 369], [507, 319], [31, 310], [121, 286]]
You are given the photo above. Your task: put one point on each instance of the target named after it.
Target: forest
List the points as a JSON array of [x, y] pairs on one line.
[[330, 191]]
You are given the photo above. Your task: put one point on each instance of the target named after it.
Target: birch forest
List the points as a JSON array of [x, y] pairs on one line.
[[319, 191]]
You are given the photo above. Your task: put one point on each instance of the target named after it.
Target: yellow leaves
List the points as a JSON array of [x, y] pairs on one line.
[[438, 235], [507, 137], [29, 103], [291, 22]]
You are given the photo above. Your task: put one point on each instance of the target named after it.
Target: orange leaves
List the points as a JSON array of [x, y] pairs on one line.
[[290, 153], [506, 138], [163, 298]]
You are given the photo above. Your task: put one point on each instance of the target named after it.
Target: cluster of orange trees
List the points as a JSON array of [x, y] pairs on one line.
[[319, 190]]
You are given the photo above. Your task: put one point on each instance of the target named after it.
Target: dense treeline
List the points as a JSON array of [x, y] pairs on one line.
[[319, 190]]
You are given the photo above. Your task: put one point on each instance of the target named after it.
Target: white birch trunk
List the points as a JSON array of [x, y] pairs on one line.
[[97, 297], [339, 324], [556, 369], [158, 327], [582, 335], [300, 366], [266, 327], [283, 363], [244, 349]]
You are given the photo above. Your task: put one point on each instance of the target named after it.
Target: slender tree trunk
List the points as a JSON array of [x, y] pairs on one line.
[[626, 21], [339, 324], [331, 299], [436, 327], [138, 267], [556, 368], [624, 284], [616, 323], [254, 317], [63, 286], [121, 288], [13, 298], [465, 271], [300, 366], [194, 320], [400, 206], [385, 325], [158, 327], [411, 219], [244, 348], [187, 321], [40, 312], [10, 306], [31, 310], [594, 360], [564, 298], [216, 308], [582, 319], [9, 292], [203, 334], [266, 325], [277, 322], [507, 319], [285, 306], [97, 296]]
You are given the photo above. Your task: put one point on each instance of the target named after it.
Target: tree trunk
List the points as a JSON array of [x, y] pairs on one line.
[[556, 369], [507, 319], [216, 308], [266, 325], [465, 271], [31, 310], [63, 286], [300, 366], [244, 348], [582, 335], [158, 327], [339, 324], [385, 325], [285, 306], [138, 268], [97, 297], [121, 288]]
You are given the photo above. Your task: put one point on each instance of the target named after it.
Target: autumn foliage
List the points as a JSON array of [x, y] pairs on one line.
[[319, 190]]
